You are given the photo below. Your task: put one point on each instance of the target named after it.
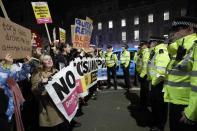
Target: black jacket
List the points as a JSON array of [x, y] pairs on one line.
[[3, 109], [60, 58]]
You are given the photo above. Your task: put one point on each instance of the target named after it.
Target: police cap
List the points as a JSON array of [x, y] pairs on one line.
[[183, 22], [109, 46], [142, 42], [100, 46], [125, 45]]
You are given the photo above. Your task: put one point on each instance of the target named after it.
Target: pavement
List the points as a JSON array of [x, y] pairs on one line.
[[110, 112]]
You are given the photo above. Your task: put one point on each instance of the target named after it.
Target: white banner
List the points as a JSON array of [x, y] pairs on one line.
[[73, 82]]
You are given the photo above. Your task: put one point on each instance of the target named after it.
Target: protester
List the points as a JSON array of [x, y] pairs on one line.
[[47, 50], [5, 74], [63, 58], [35, 59], [49, 118], [30, 120], [3, 109]]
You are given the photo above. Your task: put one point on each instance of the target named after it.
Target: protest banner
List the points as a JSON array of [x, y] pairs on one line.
[[82, 31], [62, 33], [70, 83], [14, 39], [41, 11], [91, 71], [62, 90], [102, 69]]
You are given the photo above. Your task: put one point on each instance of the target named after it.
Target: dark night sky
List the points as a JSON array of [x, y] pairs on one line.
[[58, 8]]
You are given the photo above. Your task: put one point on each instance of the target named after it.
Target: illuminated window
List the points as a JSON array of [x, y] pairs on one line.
[[136, 20], [99, 26], [136, 35], [166, 36], [183, 12], [150, 18], [166, 15], [124, 36], [123, 22], [110, 24]]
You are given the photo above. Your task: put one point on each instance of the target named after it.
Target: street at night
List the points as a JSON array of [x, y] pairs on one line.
[[110, 112], [104, 65]]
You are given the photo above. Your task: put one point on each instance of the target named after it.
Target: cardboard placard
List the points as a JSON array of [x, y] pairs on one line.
[[14, 39], [81, 33]]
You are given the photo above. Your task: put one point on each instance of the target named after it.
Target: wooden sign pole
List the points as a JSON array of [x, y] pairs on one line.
[[48, 33], [3, 9]]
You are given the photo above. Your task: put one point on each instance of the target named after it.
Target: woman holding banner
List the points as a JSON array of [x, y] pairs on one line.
[[49, 118]]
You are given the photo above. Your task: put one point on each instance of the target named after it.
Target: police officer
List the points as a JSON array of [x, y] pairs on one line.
[[125, 64], [144, 84], [136, 57], [112, 63], [180, 86], [138, 62], [101, 52], [158, 61]]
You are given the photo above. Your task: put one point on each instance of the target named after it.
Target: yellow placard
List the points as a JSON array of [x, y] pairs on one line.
[[42, 13], [62, 35]]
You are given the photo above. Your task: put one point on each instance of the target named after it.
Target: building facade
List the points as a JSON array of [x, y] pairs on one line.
[[139, 21]]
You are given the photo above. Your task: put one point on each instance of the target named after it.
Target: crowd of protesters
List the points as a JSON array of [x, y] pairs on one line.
[[36, 110]]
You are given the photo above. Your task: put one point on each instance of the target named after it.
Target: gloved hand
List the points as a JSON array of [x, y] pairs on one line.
[[117, 68], [41, 86], [42, 83]]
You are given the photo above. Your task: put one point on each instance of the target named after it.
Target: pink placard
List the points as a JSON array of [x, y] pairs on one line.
[[44, 20], [70, 104]]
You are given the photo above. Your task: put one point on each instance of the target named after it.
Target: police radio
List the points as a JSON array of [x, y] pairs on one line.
[[151, 55], [181, 52]]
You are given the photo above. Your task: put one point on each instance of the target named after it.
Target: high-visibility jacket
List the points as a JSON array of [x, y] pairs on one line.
[[136, 56], [180, 86], [152, 53], [158, 61], [102, 53], [125, 58], [139, 61], [111, 59], [145, 58]]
